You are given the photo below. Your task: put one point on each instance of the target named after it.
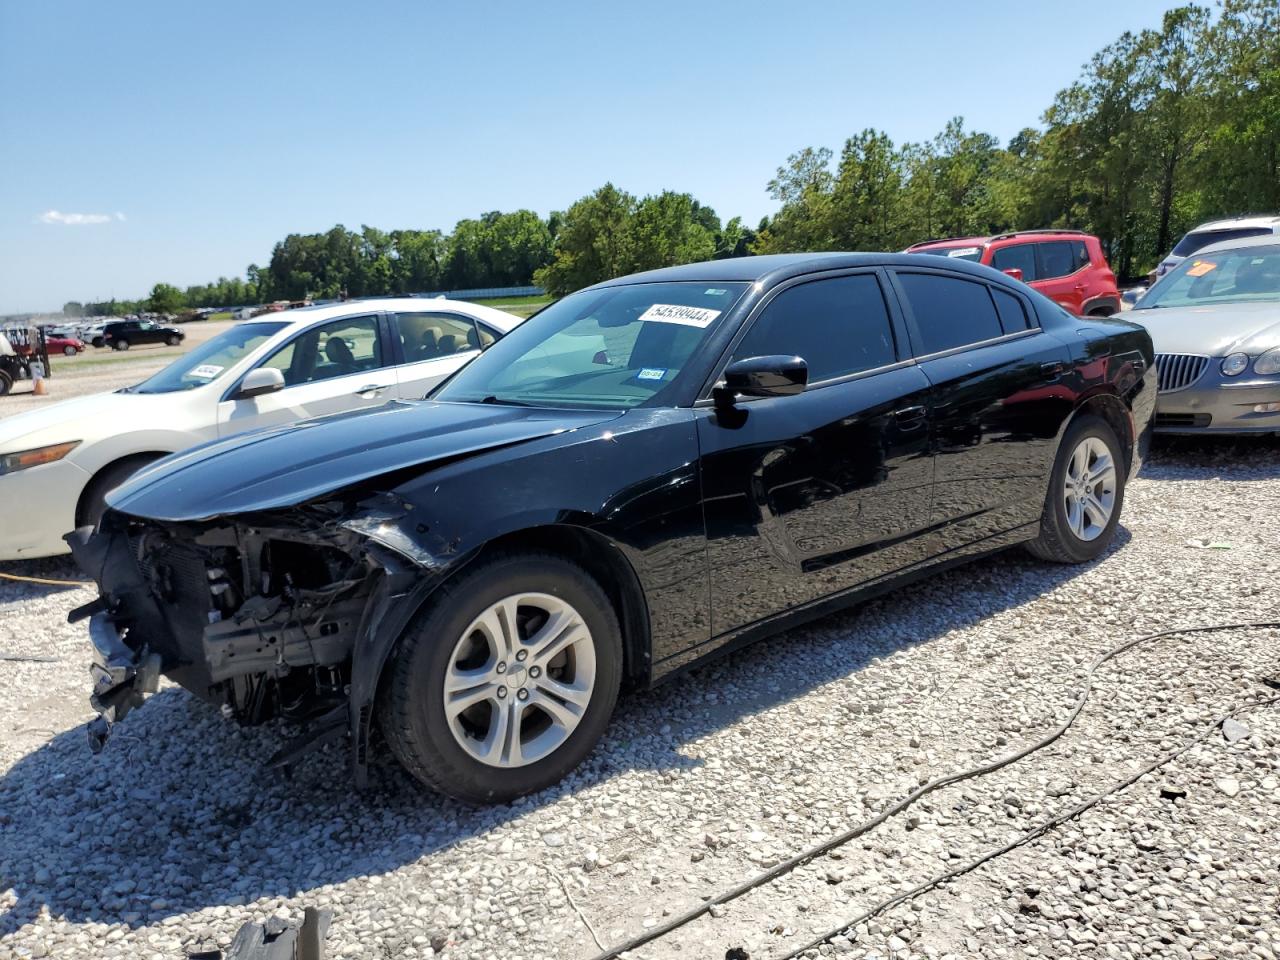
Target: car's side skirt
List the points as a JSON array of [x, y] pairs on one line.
[[734, 640]]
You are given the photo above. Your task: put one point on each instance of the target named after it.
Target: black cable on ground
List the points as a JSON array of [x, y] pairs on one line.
[[806, 856], [1032, 834]]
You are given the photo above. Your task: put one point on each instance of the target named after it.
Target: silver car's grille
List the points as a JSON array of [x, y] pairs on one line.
[[1179, 370]]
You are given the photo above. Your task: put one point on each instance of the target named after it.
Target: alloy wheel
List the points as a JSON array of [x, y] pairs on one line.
[[1089, 488], [519, 680]]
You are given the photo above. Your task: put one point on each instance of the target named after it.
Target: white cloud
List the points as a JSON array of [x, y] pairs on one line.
[[120, 216], [75, 219]]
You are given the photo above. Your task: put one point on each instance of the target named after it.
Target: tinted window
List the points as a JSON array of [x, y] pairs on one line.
[[950, 312], [839, 326], [337, 349], [1059, 258], [429, 336], [1021, 256], [1013, 316], [1196, 241]]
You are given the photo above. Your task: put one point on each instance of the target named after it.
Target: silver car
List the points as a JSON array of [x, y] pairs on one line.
[[1215, 322], [1216, 231]]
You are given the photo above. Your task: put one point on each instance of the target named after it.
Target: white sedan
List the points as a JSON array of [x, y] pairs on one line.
[[58, 464]]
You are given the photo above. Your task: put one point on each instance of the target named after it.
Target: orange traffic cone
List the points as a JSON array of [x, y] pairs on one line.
[[37, 380]]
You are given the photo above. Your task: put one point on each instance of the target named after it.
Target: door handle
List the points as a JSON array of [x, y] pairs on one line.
[[909, 417], [1052, 371], [370, 388]]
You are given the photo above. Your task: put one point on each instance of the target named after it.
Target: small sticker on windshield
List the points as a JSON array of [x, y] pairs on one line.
[[651, 373], [205, 371], [698, 317], [1201, 267], [963, 251], [714, 292]]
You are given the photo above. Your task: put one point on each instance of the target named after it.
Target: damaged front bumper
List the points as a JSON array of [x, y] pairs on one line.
[[122, 678], [287, 617]]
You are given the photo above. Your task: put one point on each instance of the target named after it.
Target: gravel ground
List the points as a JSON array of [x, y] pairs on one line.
[[176, 834]]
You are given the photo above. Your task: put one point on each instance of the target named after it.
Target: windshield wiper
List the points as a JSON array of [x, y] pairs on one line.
[[505, 401]]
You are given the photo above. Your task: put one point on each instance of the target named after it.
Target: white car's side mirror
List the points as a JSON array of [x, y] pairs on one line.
[[260, 381]]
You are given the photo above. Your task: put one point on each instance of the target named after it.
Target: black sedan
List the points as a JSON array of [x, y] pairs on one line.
[[650, 471]]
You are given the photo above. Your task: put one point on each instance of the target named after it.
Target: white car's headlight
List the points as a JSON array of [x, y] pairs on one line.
[[1235, 364], [1269, 362], [13, 462]]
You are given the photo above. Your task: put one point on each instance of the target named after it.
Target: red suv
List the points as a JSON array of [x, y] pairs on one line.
[[1065, 265]]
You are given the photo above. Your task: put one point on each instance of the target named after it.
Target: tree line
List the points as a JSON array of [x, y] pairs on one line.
[[1163, 129]]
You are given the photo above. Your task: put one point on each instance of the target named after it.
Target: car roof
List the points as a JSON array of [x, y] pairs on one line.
[[1241, 243], [1236, 223], [1012, 235], [774, 268], [300, 317]]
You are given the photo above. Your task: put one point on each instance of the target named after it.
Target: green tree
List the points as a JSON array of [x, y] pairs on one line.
[[73, 308], [592, 243], [165, 298]]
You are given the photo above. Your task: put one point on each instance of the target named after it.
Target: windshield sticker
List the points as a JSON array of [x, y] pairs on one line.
[[963, 251], [651, 373], [206, 371], [715, 292], [1201, 267], [675, 313]]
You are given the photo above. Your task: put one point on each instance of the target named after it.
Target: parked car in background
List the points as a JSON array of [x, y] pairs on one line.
[[1217, 231], [1066, 266], [65, 344], [130, 333], [60, 461], [758, 441], [91, 333], [1215, 322]]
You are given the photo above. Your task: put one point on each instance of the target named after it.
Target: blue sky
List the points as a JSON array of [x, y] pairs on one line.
[[194, 136]]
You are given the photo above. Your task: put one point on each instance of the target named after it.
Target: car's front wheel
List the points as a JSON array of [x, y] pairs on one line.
[[506, 681], [173, 341], [69, 351], [121, 344], [1086, 491]]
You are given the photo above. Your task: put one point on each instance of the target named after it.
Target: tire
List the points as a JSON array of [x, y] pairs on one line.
[[173, 341], [93, 501], [99, 342], [6, 383], [1074, 534], [121, 345], [442, 752], [69, 351]]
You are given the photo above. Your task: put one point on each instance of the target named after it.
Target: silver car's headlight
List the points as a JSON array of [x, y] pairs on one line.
[[1269, 362], [13, 462], [1235, 364]]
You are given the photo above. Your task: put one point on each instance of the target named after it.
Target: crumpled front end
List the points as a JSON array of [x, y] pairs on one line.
[[285, 616]]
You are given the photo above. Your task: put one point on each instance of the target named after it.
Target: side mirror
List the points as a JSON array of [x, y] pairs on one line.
[[773, 376], [260, 381], [1015, 272]]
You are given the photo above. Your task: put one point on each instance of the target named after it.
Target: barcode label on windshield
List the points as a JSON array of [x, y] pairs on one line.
[[685, 316]]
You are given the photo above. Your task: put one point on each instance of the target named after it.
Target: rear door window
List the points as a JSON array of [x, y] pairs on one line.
[[839, 326], [1021, 256], [430, 336], [1059, 258], [950, 312], [1013, 315]]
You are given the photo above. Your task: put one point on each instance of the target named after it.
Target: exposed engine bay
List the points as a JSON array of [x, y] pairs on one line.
[[260, 616]]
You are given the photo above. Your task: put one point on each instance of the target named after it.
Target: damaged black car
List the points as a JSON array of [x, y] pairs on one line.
[[647, 472]]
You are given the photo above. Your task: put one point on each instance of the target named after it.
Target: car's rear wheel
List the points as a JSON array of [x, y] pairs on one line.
[[99, 342], [6, 383], [1086, 492], [506, 681], [121, 344]]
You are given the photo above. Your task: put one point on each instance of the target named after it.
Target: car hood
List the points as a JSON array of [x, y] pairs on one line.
[[1214, 329], [81, 418], [284, 466]]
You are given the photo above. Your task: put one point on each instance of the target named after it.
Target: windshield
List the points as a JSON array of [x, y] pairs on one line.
[[211, 359], [1198, 241], [967, 252], [1229, 276], [617, 347]]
